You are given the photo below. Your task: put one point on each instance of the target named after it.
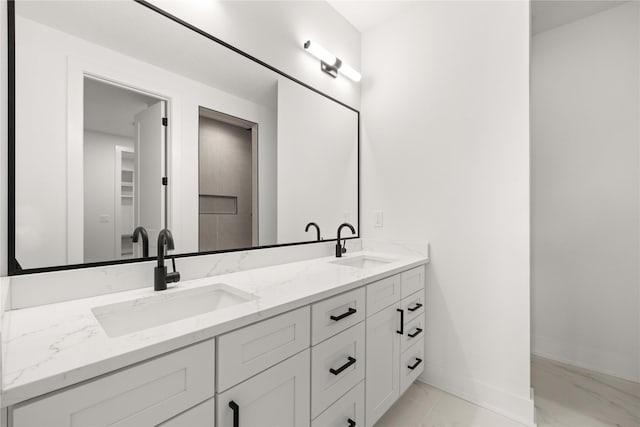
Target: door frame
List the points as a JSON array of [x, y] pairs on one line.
[[240, 122], [77, 70]]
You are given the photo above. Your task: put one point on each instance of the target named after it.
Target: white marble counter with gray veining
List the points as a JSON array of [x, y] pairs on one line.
[[57, 345]]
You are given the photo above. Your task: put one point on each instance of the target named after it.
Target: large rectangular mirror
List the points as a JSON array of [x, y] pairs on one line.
[[125, 117]]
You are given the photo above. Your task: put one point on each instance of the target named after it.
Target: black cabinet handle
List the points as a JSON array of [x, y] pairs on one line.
[[351, 422], [401, 331], [236, 413], [414, 366], [417, 306], [416, 333], [350, 362], [343, 315]]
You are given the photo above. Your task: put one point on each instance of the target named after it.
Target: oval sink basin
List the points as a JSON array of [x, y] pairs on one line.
[[143, 313], [362, 261]]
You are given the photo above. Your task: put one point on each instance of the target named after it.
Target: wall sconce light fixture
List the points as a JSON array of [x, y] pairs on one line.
[[329, 63]]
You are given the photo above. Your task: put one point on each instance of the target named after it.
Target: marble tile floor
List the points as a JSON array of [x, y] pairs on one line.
[[566, 396]]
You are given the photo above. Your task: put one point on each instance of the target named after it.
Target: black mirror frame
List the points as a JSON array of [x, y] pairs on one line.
[[13, 266]]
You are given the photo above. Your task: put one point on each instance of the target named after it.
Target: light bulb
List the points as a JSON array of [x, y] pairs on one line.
[[349, 72], [319, 52]]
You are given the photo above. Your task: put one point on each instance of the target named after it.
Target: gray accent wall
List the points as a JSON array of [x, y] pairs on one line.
[[225, 193]]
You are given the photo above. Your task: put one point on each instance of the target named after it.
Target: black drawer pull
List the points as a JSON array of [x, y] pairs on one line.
[[236, 413], [416, 333], [401, 331], [415, 365], [351, 422], [343, 367], [417, 306], [343, 315]]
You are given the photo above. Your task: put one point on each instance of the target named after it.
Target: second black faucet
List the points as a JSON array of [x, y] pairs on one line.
[[340, 249]]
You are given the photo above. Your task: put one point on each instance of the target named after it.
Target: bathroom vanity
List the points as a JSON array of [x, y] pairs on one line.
[[322, 342], [132, 144]]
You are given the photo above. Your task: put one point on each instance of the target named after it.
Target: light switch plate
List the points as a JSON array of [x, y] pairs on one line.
[[378, 219]]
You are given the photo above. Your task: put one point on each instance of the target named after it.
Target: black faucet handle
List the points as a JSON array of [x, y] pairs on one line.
[[173, 277]]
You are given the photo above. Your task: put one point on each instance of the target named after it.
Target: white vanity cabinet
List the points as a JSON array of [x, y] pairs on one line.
[[148, 394], [395, 345]]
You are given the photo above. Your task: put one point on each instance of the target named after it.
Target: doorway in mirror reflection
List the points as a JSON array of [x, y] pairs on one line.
[[123, 157], [228, 190]]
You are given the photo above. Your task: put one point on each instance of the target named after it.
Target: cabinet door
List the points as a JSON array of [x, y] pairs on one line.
[[277, 397], [383, 353], [140, 396]]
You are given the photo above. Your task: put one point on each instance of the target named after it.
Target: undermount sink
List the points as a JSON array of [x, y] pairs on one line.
[[363, 262], [143, 313]]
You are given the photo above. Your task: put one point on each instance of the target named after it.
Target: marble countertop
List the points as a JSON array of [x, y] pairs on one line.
[[52, 346]]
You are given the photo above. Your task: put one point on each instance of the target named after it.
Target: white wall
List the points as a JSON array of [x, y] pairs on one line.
[[99, 194], [275, 31], [445, 156], [585, 192], [41, 201], [317, 164]]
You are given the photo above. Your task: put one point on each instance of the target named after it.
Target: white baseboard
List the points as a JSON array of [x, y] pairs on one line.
[[520, 409]]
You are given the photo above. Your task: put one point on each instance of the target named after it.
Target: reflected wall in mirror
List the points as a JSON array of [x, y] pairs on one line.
[[141, 121]]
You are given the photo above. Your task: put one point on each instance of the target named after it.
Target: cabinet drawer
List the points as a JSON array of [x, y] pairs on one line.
[[413, 332], [412, 306], [382, 294], [336, 314], [337, 365], [202, 415], [411, 358], [142, 395], [349, 407], [247, 351], [412, 281], [277, 397]]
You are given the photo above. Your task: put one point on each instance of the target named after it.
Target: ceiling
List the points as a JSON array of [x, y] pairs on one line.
[[546, 14], [366, 14], [112, 109], [549, 14]]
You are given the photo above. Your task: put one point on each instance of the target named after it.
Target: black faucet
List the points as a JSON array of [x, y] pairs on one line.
[[141, 231], [160, 276], [339, 248], [313, 224]]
